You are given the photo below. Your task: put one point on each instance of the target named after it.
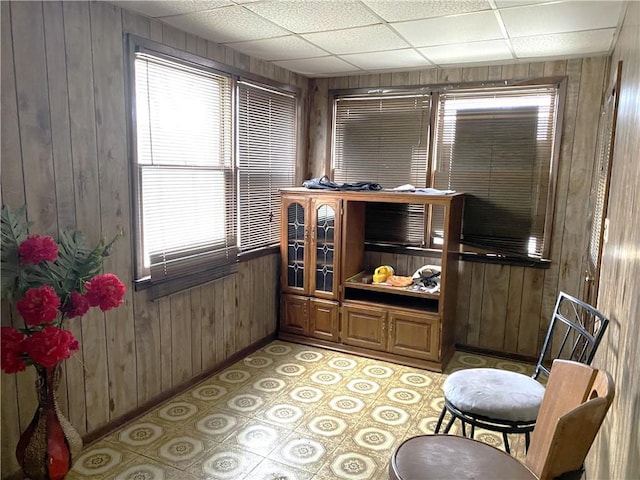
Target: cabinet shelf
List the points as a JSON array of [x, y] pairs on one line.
[[356, 282]]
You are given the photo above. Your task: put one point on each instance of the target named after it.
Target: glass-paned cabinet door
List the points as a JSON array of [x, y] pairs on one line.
[[296, 237], [325, 235]]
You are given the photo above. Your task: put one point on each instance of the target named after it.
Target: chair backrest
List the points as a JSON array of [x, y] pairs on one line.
[[574, 333], [575, 403]]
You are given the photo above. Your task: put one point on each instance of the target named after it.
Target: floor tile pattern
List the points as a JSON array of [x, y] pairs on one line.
[[288, 412]]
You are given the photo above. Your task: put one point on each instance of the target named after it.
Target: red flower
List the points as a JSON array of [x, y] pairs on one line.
[[76, 305], [39, 305], [11, 343], [37, 248], [50, 346], [105, 291]]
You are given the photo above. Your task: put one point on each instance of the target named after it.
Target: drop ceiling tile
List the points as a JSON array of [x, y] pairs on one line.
[[315, 16], [280, 48], [356, 40], [392, 59], [395, 11], [317, 66], [517, 3], [227, 24], [165, 8], [491, 50], [470, 27], [564, 44], [560, 17]]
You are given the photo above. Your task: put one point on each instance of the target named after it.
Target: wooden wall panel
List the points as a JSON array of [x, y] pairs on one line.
[[494, 309], [12, 188], [64, 153], [616, 452], [507, 308], [59, 112], [113, 168]]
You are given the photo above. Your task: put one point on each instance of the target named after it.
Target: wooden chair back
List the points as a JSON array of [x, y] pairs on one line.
[[575, 403]]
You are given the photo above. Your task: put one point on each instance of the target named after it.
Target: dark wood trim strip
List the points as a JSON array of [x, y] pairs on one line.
[[493, 353]]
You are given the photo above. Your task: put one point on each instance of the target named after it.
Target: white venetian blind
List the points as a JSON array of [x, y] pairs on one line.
[[186, 194], [384, 139], [496, 146], [381, 139], [266, 160]]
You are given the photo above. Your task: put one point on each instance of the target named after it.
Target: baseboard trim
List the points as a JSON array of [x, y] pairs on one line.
[[493, 353]]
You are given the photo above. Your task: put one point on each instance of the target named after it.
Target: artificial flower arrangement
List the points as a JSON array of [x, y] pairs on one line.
[[49, 282]]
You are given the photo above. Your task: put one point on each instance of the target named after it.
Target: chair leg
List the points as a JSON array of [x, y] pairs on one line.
[[473, 430], [527, 440], [506, 443], [448, 427], [464, 428], [440, 419]]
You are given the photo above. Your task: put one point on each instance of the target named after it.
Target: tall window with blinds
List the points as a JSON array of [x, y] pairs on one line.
[[497, 146], [384, 139], [184, 170], [266, 160]]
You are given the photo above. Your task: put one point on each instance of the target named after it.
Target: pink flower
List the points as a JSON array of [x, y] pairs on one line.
[[105, 291], [50, 346], [11, 344], [37, 248], [76, 305], [39, 305]]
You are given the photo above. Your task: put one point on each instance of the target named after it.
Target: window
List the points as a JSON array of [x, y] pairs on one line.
[[211, 148], [496, 144], [384, 139], [185, 183], [266, 160]]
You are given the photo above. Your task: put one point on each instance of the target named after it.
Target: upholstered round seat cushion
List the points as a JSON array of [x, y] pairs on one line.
[[494, 393]]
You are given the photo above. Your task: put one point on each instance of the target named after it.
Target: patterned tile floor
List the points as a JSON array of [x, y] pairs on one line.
[[285, 412]]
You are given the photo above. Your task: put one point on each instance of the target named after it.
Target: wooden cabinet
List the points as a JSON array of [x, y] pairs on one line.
[[327, 298], [313, 317], [403, 332], [310, 250]]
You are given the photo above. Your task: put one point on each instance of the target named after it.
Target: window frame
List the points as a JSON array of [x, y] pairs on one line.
[[435, 90], [135, 43]]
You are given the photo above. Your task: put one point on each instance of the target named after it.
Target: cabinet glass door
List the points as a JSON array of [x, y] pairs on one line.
[[295, 245], [324, 233]]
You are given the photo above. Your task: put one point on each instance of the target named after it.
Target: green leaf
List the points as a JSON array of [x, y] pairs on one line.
[[13, 232]]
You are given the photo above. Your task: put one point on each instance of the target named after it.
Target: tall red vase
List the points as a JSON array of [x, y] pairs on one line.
[[47, 447]]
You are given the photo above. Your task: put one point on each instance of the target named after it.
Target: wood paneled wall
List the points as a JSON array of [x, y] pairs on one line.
[[616, 452], [500, 307], [64, 154]]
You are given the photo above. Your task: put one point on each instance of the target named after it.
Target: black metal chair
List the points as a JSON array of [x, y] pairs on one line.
[[508, 402]]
